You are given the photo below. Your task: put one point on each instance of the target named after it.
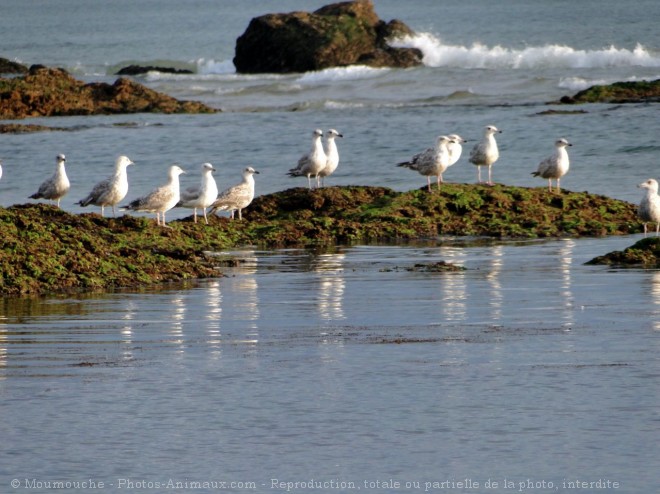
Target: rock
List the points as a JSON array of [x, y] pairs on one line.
[[139, 69], [9, 67], [336, 35], [619, 92], [644, 253], [45, 92]]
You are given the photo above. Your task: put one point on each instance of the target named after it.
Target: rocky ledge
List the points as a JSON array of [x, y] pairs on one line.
[[645, 253], [45, 249], [45, 92], [619, 92], [336, 35]]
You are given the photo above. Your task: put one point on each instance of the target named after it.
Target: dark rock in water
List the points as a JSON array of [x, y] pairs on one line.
[[45, 92], [619, 92], [645, 253], [9, 67], [140, 69], [336, 35]]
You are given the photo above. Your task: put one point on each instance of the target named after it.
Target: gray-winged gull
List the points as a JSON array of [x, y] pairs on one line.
[[431, 162], [485, 153], [238, 197], [201, 196], [56, 186], [112, 190], [161, 199], [555, 166], [649, 208], [310, 164]]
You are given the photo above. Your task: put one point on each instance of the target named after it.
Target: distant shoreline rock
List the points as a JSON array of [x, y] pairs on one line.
[[618, 92], [9, 67], [143, 69], [340, 34], [46, 92]]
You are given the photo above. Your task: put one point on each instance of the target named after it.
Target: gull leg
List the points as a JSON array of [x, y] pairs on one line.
[[490, 176], [205, 218], [428, 182], [479, 173], [309, 183], [657, 229], [195, 215], [240, 214]]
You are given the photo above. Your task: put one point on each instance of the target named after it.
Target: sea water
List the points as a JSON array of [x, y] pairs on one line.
[[331, 370]]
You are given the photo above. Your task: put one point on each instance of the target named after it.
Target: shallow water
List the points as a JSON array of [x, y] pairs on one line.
[[345, 366]]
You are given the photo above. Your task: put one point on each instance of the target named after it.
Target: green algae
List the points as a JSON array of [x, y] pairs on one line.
[[44, 249]]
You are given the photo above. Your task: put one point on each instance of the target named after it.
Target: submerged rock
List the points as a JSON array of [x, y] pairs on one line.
[[336, 35], [45, 92], [619, 92], [645, 253]]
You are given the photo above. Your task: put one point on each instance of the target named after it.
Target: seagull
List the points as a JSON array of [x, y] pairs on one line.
[[432, 161], [161, 199], [56, 186], [455, 148], [331, 153], [555, 166], [237, 197], [486, 153], [112, 190], [202, 196], [311, 164], [649, 208]]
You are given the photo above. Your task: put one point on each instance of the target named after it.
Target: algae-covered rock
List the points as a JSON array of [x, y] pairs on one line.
[[45, 249], [45, 92], [645, 253], [619, 92], [339, 34]]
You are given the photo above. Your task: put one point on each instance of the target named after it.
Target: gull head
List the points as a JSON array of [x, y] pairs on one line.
[[562, 143], [175, 171], [457, 139], [651, 184], [491, 129], [318, 133], [123, 162], [250, 171], [60, 158], [332, 133], [207, 168]]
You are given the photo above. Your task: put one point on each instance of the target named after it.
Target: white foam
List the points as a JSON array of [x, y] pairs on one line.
[[479, 56], [580, 83], [353, 72]]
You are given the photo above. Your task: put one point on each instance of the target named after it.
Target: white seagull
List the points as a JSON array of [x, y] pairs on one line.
[[555, 166], [331, 153], [112, 190], [649, 208], [161, 199], [309, 165], [56, 186], [485, 153], [237, 197], [431, 162], [455, 148], [201, 196]]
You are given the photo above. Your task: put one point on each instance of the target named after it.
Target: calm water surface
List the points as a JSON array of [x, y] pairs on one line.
[[345, 366]]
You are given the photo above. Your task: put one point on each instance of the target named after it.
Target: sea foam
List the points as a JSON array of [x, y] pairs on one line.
[[479, 56]]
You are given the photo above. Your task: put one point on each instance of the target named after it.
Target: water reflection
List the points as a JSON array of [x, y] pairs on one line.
[[244, 305], [565, 258], [330, 271], [496, 297], [453, 287], [213, 316], [655, 297]]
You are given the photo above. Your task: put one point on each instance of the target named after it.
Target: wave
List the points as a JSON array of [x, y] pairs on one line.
[[580, 83], [479, 56]]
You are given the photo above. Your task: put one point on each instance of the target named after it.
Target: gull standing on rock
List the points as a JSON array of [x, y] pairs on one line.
[[311, 164], [555, 166], [455, 148], [431, 162], [56, 186], [202, 196], [485, 153], [332, 154], [237, 197], [112, 190], [161, 199], [649, 208]]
